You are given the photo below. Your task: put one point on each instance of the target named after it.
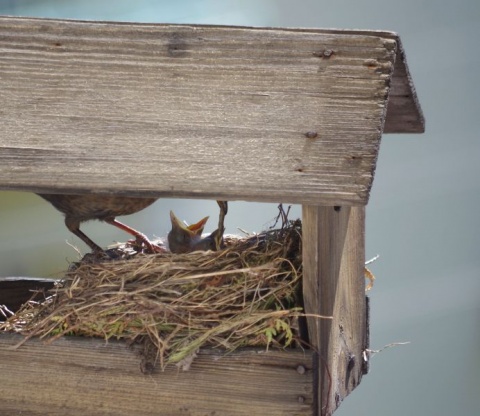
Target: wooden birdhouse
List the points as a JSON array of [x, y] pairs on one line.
[[213, 112]]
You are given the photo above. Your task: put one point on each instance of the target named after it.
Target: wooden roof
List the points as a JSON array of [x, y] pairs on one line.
[[261, 114]]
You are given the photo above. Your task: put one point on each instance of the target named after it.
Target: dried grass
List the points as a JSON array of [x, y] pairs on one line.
[[244, 295]]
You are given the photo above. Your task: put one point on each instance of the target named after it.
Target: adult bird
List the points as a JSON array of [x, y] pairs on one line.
[[86, 207]]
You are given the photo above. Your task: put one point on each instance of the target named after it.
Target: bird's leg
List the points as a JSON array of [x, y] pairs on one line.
[[153, 248], [74, 227], [218, 237]]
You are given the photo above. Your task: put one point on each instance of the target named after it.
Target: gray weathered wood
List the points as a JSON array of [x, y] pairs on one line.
[[334, 285], [195, 111], [404, 113], [403, 100], [82, 376]]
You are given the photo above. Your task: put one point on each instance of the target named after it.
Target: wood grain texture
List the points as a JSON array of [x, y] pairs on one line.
[[194, 111], [79, 376], [334, 285], [403, 100]]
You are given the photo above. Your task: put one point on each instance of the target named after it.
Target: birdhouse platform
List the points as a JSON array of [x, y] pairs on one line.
[[212, 112]]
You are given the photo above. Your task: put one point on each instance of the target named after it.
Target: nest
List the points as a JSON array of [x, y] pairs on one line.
[[173, 304]]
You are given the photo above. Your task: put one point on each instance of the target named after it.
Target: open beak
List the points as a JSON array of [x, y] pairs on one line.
[[194, 229]]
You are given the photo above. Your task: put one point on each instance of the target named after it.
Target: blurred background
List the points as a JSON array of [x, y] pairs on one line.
[[422, 217]]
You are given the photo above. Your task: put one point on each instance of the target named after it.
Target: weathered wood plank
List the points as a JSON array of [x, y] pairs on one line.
[[334, 285], [79, 376], [403, 99], [192, 111], [404, 113]]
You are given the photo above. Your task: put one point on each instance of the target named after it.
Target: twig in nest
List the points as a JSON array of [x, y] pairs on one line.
[[283, 215]]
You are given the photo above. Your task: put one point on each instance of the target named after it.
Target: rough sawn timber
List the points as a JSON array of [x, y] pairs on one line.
[[333, 285], [231, 113], [106, 380]]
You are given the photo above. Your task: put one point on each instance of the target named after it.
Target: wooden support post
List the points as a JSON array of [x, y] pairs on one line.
[[334, 285]]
